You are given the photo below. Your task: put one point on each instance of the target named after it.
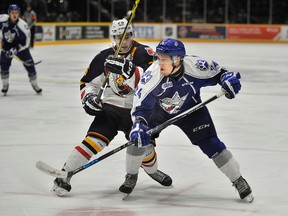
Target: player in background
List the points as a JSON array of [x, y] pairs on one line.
[[30, 17], [15, 42], [112, 113], [170, 86]]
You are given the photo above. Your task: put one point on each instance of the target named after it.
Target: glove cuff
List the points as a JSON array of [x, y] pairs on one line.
[[225, 76], [141, 120]]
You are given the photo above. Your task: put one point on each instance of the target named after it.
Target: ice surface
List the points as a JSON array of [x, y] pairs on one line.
[[47, 127]]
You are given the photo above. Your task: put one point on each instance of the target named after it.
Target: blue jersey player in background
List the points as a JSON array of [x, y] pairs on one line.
[[15, 43], [170, 86]]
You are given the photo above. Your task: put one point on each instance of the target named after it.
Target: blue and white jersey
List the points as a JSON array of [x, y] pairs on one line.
[[174, 95], [14, 35]]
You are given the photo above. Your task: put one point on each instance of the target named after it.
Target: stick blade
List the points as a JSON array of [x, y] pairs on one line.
[[45, 168], [38, 62]]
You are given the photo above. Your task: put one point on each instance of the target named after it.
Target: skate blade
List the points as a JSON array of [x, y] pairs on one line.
[[249, 198]]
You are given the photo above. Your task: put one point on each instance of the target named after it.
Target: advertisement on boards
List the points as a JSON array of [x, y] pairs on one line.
[[142, 31], [201, 31], [95, 32], [284, 33], [81, 32], [254, 32], [45, 33]]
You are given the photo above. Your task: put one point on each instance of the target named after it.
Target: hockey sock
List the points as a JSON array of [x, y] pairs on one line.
[[94, 143], [227, 164], [134, 157], [150, 163], [78, 157]]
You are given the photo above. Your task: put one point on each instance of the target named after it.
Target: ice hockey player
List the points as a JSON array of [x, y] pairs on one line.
[[16, 42], [170, 86], [112, 113]]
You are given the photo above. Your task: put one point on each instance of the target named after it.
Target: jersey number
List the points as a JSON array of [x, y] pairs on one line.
[[138, 92]]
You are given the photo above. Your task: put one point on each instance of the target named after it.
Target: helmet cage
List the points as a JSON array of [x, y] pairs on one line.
[[118, 27]]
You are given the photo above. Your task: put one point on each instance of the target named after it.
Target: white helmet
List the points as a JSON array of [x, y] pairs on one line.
[[118, 27]]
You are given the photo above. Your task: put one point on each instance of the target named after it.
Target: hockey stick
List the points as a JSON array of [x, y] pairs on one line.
[[104, 84], [26, 63], [64, 174]]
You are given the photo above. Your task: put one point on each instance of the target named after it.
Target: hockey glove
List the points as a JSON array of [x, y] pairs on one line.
[[121, 66], [11, 52], [91, 105], [230, 83], [139, 135]]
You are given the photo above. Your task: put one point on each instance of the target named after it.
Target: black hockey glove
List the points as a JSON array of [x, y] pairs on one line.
[[91, 105], [121, 66]]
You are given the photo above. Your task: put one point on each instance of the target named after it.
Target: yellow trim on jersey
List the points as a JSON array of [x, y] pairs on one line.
[[133, 51], [86, 70]]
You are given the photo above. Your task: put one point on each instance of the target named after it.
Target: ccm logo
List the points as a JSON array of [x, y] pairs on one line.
[[201, 127]]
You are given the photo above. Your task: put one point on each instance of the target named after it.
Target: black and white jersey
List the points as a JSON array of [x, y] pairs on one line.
[[119, 91]]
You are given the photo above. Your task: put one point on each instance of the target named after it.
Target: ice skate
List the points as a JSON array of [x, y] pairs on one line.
[[5, 84], [243, 189], [35, 86], [161, 178], [129, 184], [61, 187], [5, 89]]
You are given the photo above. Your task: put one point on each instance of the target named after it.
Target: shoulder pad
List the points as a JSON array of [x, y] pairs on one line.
[[201, 68], [4, 17]]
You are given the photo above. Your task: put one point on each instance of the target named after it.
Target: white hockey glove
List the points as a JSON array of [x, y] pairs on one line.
[[11, 52], [230, 83], [121, 66], [91, 105], [139, 135]]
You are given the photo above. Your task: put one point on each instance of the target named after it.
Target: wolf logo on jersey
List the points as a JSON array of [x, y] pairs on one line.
[[172, 105], [9, 36]]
